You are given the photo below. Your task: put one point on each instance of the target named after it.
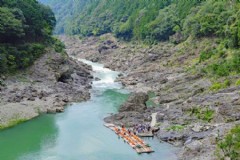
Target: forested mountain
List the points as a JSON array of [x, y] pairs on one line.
[[66, 12], [152, 21], [25, 27], [147, 20]]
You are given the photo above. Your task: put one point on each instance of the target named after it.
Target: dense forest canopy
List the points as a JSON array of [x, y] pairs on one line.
[[25, 20], [153, 21], [25, 27], [65, 11], [149, 20]]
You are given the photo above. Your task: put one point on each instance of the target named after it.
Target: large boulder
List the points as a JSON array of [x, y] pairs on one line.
[[194, 146], [65, 76], [136, 102], [107, 45], [126, 118]]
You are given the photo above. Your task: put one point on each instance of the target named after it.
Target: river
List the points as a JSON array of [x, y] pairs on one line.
[[78, 133]]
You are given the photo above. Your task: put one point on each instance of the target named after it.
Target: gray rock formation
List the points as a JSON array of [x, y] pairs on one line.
[[136, 102], [47, 86]]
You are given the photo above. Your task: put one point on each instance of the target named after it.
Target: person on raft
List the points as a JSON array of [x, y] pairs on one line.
[[142, 128]]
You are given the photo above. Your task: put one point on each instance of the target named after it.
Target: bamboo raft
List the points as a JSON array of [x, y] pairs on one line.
[[134, 141]]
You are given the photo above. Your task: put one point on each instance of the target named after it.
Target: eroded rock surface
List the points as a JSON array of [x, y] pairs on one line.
[[47, 87], [136, 102]]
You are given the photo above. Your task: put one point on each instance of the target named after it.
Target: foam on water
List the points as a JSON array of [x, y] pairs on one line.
[[107, 77]]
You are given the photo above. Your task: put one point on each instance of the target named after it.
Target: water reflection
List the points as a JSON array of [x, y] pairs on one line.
[[28, 137]]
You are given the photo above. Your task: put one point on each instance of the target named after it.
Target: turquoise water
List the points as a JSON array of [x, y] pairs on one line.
[[78, 133]]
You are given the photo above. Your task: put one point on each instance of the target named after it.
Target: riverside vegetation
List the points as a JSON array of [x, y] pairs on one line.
[[26, 28], [186, 52], [36, 75]]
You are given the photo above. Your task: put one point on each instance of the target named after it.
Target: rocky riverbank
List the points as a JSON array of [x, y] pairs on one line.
[[190, 112], [47, 87]]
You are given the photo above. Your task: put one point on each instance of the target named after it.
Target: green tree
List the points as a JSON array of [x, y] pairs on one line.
[[11, 28], [25, 30]]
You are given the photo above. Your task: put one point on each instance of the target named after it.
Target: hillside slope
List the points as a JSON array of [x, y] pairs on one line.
[[147, 20], [36, 74], [157, 20], [65, 12], [25, 30]]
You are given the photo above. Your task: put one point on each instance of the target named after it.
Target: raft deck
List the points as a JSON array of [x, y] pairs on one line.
[[133, 140]]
